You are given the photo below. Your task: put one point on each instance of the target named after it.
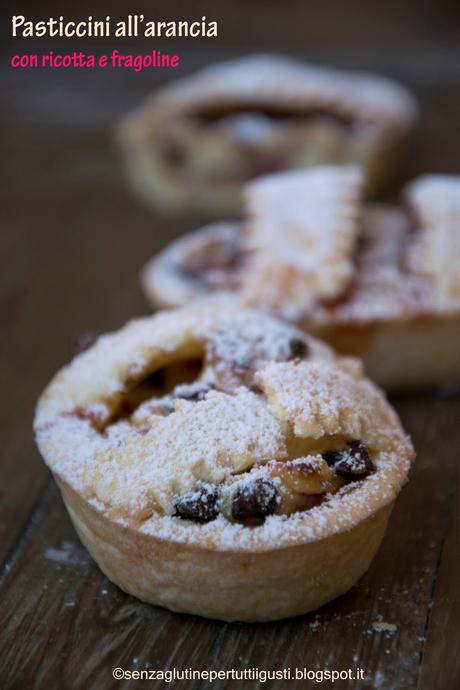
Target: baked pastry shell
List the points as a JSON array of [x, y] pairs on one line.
[[120, 485], [401, 355], [232, 585]]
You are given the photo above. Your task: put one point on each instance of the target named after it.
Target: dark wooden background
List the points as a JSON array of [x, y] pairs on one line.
[[72, 241]]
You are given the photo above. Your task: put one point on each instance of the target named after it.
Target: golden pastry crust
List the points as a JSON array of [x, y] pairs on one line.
[[253, 458], [227, 585], [195, 142], [402, 282]]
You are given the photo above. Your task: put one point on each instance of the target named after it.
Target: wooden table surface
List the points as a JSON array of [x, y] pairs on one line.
[[72, 241]]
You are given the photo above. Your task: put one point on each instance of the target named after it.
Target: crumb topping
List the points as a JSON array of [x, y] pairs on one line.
[[317, 399]]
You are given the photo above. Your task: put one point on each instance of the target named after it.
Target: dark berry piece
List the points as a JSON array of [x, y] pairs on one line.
[[156, 379], [201, 505], [252, 502], [355, 462], [298, 348], [331, 457], [352, 463]]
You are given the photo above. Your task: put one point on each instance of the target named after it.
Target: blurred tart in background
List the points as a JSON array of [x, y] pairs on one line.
[[196, 142]]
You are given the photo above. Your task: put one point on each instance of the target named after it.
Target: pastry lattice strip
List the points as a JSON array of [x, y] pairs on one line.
[[302, 233]]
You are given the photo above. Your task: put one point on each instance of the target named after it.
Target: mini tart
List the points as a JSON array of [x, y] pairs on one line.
[[222, 463], [376, 281], [195, 143]]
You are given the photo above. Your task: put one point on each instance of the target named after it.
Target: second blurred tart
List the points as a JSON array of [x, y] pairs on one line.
[[377, 281]]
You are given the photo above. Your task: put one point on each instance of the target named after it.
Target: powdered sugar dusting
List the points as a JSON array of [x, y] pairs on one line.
[[302, 232], [392, 266], [382, 288], [206, 441], [319, 399], [133, 469], [381, 626]]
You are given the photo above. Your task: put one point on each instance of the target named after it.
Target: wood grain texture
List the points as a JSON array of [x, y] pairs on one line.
[[440, 663], [71, 241]]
